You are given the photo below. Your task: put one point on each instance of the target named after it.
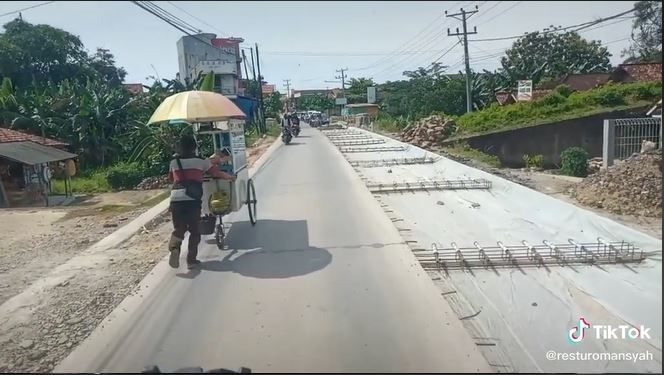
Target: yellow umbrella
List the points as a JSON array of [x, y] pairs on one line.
[[196, 106]]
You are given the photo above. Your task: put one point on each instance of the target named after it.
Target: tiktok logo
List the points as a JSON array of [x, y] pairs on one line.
[[576, 334]]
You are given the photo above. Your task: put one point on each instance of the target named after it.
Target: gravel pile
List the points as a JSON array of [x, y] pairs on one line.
[[157, 182], [633, 186], [428, 131]]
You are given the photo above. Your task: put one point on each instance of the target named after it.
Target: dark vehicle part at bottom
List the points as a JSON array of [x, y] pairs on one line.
[[197, 370]]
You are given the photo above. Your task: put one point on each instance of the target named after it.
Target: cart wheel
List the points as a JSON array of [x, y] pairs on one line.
[[220, 235], [251, 201]]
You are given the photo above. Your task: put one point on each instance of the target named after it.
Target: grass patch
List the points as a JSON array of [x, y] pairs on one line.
[[93, 182], [115, 209], [559, 105], [464, 150], [252, 135], [274, 130], [388, 124]]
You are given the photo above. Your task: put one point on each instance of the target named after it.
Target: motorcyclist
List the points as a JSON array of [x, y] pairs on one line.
[[295, 121], [285, 120]]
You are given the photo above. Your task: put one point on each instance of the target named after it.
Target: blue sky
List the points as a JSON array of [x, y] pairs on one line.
[[372, 39]]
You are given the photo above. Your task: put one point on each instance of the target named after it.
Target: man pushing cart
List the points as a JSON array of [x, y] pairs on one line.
[[197, 187]]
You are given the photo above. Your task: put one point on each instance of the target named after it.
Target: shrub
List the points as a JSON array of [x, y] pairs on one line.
[[574, 162], [553, 99], [563, 90], [533, 161], [127, 175], [609, 97]]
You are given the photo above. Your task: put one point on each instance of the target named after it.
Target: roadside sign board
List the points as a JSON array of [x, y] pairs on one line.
[[525, 90], [340, 101], [371, 94]]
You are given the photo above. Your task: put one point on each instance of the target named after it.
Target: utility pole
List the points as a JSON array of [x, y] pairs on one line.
[[465, 15], [343, 80], [287, 94], [260, 90]]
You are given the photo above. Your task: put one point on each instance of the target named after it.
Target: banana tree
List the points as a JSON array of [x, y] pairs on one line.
[[208, 82]]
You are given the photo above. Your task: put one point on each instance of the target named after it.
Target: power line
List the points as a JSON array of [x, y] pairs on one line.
[[148, 7], [23, 9], [402, 46], [405, 44], [486, 12], [579, 26], [504, 11], [605, 25], [444, 53], [172, 17], [400, 62], [435, 36], [171, 22], [196, 18], [338, 53]]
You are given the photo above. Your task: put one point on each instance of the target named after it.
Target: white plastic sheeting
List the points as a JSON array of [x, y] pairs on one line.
[[525, 313]]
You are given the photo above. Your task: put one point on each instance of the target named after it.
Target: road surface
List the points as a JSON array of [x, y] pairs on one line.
[[322, 283]]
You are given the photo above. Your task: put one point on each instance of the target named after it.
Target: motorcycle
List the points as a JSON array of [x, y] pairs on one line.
[[286, 134], [296, 127]]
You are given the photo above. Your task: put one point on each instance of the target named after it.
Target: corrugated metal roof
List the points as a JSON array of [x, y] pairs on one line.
[[32, 153]]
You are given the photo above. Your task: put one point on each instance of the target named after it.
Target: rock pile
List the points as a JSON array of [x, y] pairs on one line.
[[594, 165], [633, 186], [428, 131], [157, 182]]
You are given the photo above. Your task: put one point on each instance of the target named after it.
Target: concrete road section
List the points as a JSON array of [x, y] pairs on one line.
[[322, 283], [524, 314]]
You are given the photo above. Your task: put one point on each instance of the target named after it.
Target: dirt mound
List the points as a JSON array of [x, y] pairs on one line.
[[157, 182], [633, 186], [428, 131]]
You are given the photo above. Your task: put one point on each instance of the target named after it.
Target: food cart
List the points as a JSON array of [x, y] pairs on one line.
[[226, 135], [213, 115]]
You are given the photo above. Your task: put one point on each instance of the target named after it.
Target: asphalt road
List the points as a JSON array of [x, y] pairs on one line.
[[322, 283]]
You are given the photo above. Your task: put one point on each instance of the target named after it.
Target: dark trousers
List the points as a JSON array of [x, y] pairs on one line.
[[186, 217]]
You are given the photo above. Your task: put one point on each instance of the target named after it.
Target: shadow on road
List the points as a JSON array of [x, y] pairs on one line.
[[273, 249]]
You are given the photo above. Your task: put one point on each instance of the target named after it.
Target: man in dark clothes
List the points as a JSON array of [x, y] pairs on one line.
[[186, 172]]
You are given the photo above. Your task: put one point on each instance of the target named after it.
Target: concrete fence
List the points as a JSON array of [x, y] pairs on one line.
[[624, 137]]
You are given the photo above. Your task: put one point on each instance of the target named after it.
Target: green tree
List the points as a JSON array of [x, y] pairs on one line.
[[103, 62], [551, 54], [40, 53], [357, 89], [316, 102], [646, 32], [273, 104]]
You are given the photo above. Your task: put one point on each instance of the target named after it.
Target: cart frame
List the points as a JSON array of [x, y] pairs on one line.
[[228, 135]]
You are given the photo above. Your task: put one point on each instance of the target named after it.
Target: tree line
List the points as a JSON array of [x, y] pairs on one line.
[[538, 56]]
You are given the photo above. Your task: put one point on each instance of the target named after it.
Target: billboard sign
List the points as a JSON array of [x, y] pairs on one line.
[[340, 101]]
